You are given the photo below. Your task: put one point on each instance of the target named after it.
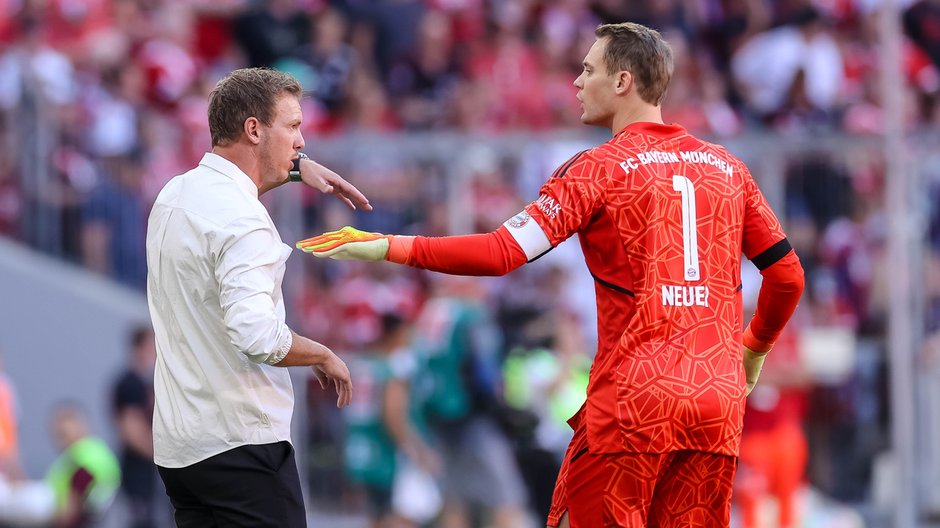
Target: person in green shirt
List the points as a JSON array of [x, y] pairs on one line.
[[78, 487], [84, 478], [460, 386], [381, 422]]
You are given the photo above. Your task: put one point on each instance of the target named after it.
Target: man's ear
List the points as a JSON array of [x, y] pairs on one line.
[[624, 82], [252, 128]]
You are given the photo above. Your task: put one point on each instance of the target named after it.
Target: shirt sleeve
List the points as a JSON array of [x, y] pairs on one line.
[[490, 254], [763, 241], [779, 295], [249, 271], [766, 245], [566, 204]]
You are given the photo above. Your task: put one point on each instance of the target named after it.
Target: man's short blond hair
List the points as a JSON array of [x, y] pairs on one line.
[[641, 51], [244, 93]]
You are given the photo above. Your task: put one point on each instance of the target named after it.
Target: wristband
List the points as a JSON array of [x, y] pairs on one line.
[[295, 170]]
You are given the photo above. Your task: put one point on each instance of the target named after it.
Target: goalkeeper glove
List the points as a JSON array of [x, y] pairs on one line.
[[753, 361], [348, 243]]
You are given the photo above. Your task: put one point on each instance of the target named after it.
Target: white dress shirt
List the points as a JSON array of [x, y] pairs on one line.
[[215, 263]]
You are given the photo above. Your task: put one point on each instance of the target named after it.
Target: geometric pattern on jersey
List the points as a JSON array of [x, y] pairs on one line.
[[677, 489], [695, 490], [662, 218]]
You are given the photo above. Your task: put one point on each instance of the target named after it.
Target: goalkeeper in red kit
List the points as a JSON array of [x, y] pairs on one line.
[[663, 219]]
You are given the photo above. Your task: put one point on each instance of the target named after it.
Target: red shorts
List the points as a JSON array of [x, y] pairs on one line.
[[634, 490]]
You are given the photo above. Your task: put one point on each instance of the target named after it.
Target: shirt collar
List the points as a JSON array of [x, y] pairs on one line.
[[654, 129], [229, 169]]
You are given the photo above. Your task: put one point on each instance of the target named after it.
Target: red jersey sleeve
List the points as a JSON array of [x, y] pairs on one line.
[[494, 253], [569, 199], [762, 231], [779, 294], [766, 245]]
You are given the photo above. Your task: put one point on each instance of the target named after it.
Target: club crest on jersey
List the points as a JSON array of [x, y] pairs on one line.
[[549, 206], [519, 220]]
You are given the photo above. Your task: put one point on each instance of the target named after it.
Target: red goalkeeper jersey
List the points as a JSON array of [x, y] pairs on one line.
[[662, 218]]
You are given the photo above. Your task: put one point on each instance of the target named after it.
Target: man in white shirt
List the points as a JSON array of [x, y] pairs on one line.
[[223, 405]]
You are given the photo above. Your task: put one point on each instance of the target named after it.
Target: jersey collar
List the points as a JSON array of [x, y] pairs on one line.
[[654, 129]]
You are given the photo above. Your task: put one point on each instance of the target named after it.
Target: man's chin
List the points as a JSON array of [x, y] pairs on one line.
[[587, 120]]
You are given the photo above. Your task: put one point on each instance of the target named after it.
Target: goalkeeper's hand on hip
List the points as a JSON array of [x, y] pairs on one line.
[[347, 243]]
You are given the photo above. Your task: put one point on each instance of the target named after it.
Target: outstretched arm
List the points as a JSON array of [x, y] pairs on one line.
[[493, 253], [566, 203]]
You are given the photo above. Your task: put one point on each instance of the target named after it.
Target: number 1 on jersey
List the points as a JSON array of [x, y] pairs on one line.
[[689, 226]]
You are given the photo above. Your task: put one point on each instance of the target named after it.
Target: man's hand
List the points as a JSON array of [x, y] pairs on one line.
[[334, 370], [348, 243], [753, 361], [328, 182]]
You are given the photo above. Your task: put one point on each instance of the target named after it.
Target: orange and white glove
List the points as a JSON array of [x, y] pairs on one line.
[[347, 243]]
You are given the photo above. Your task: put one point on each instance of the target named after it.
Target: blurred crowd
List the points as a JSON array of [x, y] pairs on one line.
[[102, 101]]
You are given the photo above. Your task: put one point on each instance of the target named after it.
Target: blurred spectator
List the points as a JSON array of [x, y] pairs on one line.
[[381, 434], [112, 110], [663, 14], [392, 24], [72, 24], [36, 83], [368, 110], [460, 391], [697, 93], [165, 57], [508, 66], [9, 191], [724, 25], [422, 83], [31, 69], [819, 186], [132, 408], [490, 190], [85, 476], [114, 224], [327, 62], [9, 450], [271, 30], [922, 25], [774, 447], [801, 56], [366, 292], [79, 486], [546, 379]]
